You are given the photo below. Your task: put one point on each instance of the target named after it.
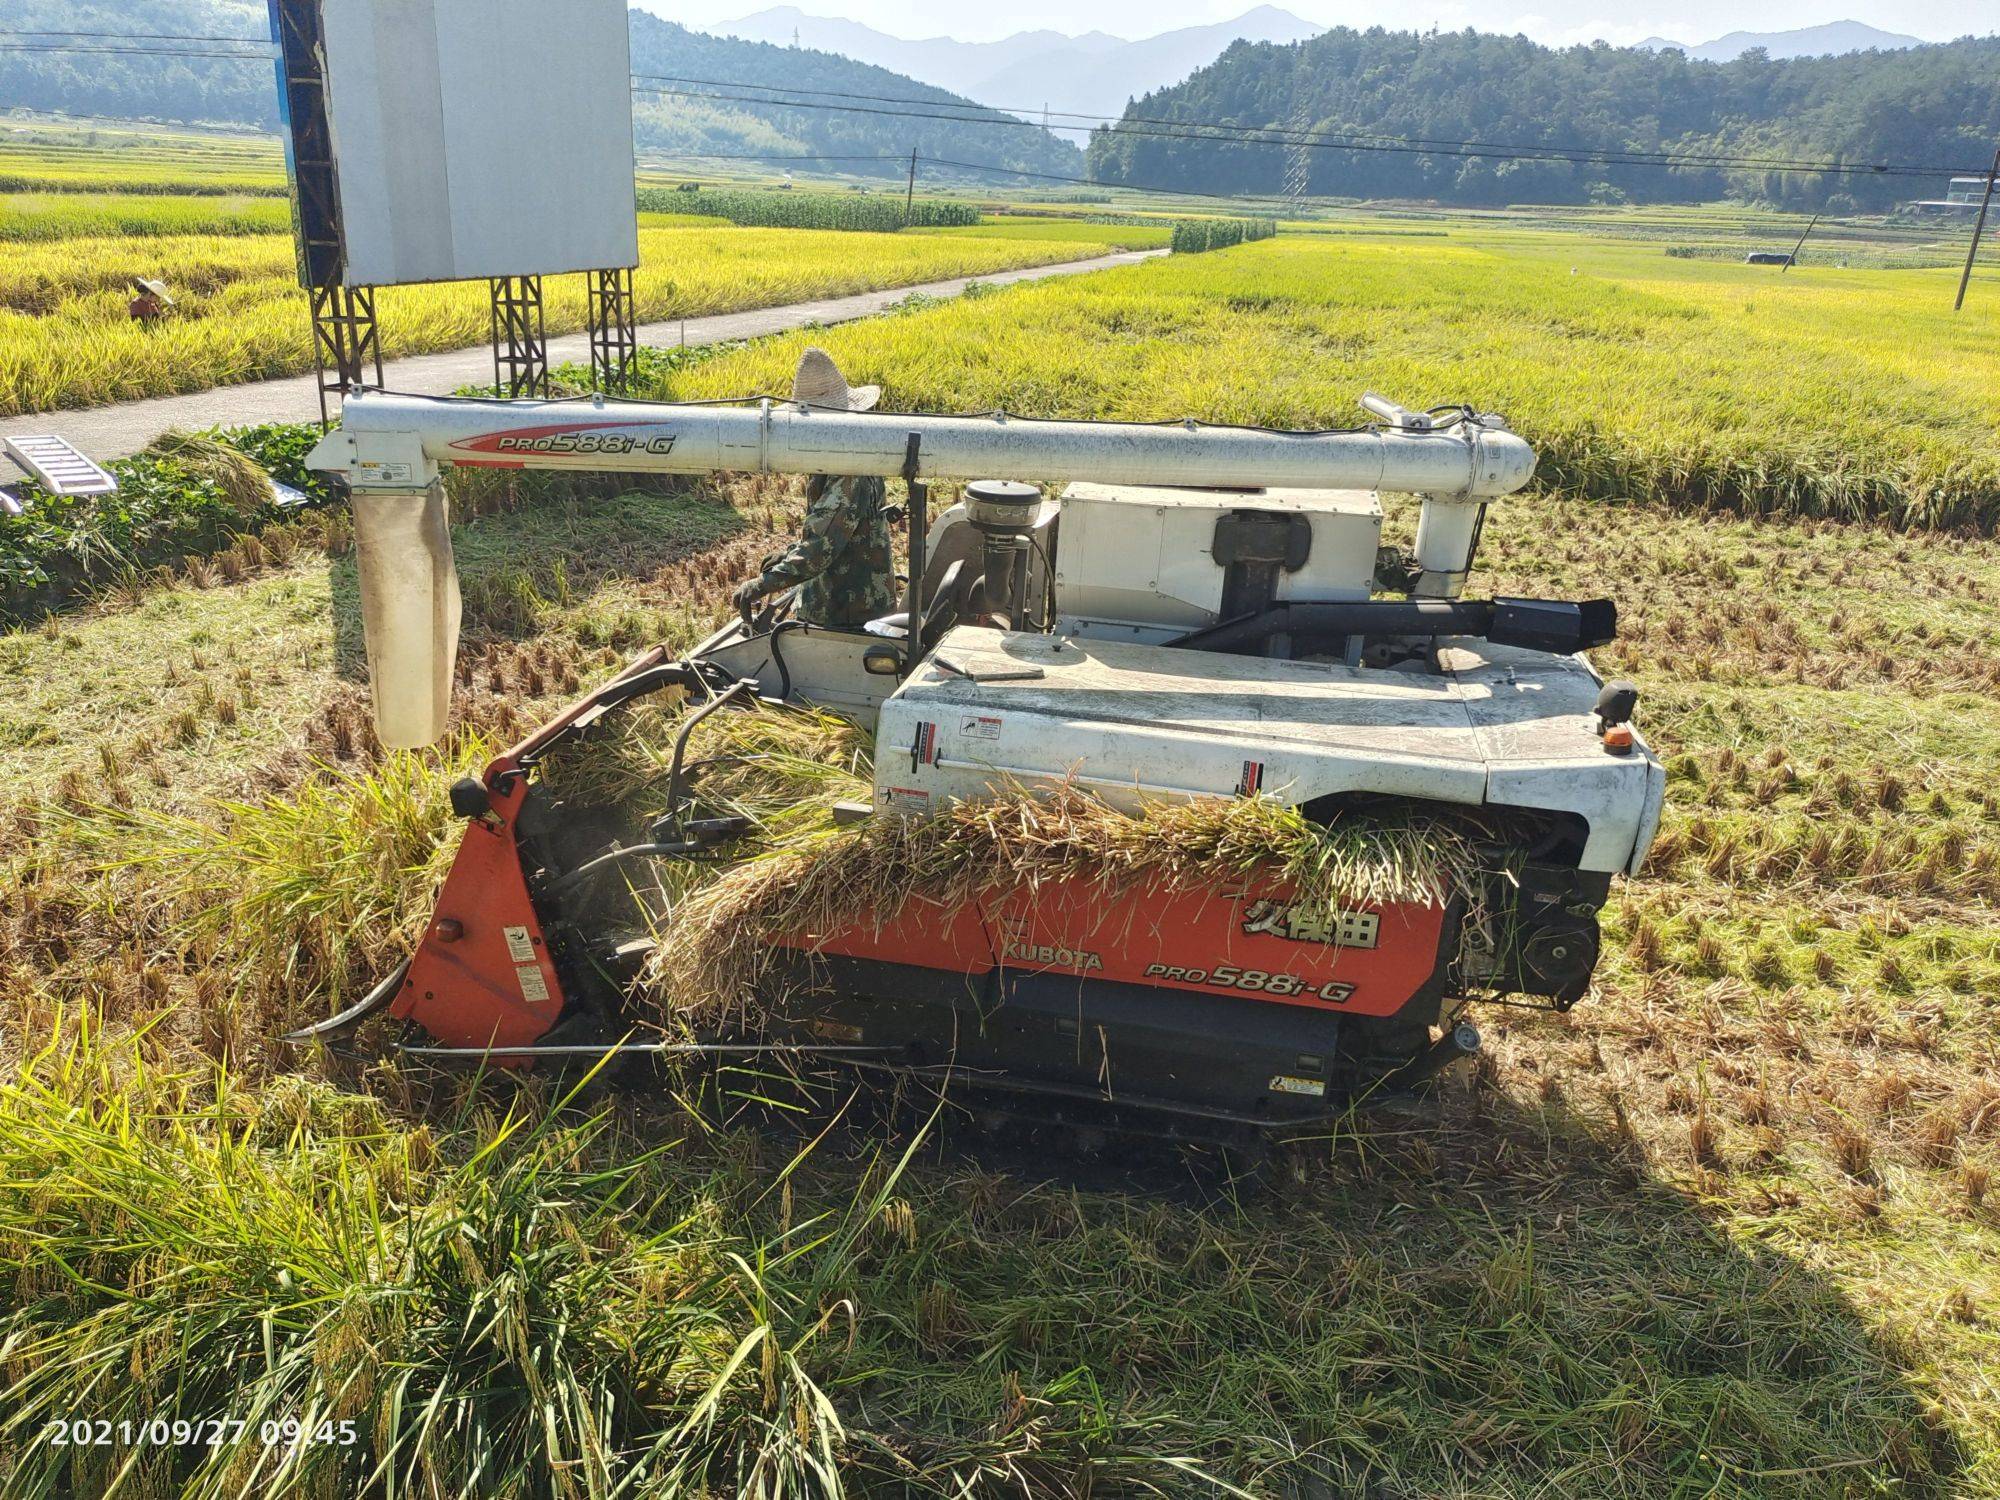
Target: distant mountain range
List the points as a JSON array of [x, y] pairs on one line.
[[1092, 74], [1834, 39], [697, 117]]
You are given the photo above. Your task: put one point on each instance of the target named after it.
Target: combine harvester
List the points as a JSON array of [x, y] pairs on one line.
[[1202, 612]]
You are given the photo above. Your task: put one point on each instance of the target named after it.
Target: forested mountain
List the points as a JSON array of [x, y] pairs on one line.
[[1931, 106], [140, 88], [245, 92]]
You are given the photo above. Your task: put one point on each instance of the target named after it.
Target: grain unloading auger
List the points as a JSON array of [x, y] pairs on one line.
[[1200, 612]]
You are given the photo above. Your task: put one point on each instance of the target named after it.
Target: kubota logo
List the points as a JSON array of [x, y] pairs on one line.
[[1061, 958]]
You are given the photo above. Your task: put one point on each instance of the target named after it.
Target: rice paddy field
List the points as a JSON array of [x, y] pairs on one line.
[[82, 211], [1729, 1228], [65, 339], [1853, 393]]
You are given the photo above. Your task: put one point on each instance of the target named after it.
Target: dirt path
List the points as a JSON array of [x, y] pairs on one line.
[[106, 432]]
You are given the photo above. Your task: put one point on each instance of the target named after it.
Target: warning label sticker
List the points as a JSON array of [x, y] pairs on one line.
[[1285, 1083], [520, 947], [979, 727], [534, 988], [909, 798]]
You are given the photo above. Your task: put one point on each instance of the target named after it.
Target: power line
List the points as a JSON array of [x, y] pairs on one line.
[[1123, 187], [135, 36], [969, 166], [766, 156], [207, 56]]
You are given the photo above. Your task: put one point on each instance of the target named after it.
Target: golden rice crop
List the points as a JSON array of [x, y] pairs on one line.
[[1847, 393], [65, 338], [137, 157], [62, 216]]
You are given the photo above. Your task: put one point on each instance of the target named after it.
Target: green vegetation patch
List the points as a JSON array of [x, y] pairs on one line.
[[806, 210]]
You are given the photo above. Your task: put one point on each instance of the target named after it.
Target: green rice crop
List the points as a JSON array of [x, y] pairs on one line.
[[364, 1315]]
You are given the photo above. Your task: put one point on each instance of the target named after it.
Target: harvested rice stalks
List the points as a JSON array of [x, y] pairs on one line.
[[716, 944], [768, 764], [242, 480]]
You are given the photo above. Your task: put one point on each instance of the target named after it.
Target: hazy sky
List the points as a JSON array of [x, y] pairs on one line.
[[1553, 21]]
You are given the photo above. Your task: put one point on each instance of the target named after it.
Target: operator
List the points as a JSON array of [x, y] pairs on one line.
[[842, 563]]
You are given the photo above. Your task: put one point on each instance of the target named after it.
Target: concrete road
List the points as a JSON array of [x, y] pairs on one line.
[[106, 432]]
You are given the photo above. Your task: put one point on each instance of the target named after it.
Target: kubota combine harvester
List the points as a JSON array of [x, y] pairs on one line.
[[1197, 612]]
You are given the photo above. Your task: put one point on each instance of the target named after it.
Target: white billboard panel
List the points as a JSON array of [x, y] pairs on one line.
[[477, 138]]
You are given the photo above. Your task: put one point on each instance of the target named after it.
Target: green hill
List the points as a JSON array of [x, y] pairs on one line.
[[124, 87], [1933, 105], [187, 89]]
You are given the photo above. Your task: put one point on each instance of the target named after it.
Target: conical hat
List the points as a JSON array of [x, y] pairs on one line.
[[818, 382]]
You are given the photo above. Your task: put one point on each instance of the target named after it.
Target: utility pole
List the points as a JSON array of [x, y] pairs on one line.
[[1978, 228], [1791, 259], [910, 193]]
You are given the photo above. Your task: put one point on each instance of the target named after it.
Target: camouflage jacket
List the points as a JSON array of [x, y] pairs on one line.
[[843, 560]]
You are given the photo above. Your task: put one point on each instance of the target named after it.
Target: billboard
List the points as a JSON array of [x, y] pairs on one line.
[[467, 138]]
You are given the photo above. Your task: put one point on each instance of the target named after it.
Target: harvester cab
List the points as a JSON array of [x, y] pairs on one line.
[[1191, 614]]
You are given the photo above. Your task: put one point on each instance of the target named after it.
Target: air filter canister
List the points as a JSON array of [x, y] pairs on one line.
[[1002, 506]]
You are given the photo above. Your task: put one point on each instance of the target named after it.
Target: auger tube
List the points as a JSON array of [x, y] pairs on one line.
[[397, 442]]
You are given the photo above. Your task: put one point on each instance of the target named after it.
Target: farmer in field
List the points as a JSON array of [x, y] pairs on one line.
[[149, 302], [842, 564]]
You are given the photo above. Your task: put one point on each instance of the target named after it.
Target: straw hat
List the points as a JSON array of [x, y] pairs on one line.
[[155, 288], [818, 382]]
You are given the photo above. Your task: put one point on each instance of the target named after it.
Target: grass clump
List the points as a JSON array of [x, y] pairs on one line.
[[293, 898], [557, 1310]]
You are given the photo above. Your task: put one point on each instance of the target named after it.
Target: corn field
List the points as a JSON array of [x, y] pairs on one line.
[[804, 210], [1192, 236]]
